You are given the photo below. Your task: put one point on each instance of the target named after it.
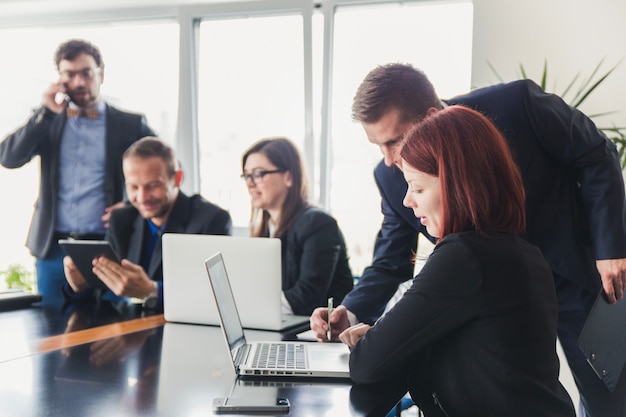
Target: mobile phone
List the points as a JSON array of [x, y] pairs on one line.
[[60, 98], [258, 405]]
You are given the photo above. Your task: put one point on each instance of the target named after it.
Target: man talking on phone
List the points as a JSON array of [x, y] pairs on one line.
[[80, 140]]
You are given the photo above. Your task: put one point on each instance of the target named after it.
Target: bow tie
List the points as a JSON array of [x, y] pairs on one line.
[[88, 113]]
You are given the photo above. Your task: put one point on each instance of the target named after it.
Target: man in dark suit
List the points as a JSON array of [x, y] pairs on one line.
[[575, 205], [80, 140], [158, 206]]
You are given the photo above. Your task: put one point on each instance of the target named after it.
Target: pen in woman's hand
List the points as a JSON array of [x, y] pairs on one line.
[[329, 332]]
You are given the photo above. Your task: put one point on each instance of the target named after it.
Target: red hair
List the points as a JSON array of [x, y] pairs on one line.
[[481, 186]]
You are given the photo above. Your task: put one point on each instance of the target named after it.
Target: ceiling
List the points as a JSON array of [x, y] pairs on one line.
[[36, 12]]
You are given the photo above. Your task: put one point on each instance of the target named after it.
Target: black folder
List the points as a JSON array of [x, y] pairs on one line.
[[603, 339]]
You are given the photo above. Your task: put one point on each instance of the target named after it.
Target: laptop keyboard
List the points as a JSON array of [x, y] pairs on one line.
[[279, 356]]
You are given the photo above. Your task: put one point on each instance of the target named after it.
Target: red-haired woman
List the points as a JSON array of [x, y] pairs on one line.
[[475, 335]]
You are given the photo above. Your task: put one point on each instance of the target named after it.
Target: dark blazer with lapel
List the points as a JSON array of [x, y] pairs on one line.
[[575, 205], [193, 215], [41, 136], [475, 333], [314, 262]]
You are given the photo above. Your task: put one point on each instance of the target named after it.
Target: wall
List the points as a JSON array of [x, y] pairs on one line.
[[572, 36]]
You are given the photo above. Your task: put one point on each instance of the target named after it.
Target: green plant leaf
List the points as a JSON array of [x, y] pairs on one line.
[[591, 89], [584, 85], [18, 277], [570, 85], [544, 76], [493, 69]]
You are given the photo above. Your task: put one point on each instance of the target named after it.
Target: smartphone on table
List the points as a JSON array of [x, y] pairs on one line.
[[257, 405]]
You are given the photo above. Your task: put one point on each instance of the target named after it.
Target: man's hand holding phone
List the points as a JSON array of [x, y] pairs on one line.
[[54, 97]]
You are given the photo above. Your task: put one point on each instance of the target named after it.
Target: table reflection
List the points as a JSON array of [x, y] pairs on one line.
[[164, 370], [115, 376], [28, 327]]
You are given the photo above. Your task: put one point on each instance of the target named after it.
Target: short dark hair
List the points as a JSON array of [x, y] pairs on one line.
[[153, 147], [69, 50], [481, 186], [283, 153], [394, 86]]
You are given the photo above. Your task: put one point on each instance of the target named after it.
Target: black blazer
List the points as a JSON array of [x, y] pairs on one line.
[[474, 335], [192, 215], [41, 136], [314, 262], [575, 205]]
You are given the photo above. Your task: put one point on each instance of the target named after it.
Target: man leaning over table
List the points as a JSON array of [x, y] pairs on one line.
[[80, 141], [158, 206]]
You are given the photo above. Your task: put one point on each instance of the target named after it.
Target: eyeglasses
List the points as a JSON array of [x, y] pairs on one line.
[[257, 176], [86, 74]]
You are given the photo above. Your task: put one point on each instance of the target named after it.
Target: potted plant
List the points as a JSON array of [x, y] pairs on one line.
[[16, 276]]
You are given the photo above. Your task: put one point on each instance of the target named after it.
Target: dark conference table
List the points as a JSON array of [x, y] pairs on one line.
[[108, 361]]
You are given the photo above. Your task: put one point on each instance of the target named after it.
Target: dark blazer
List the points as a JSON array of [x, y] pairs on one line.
[[314, 262], [575, 205], [192, 215], [41, 136], [474, 335]]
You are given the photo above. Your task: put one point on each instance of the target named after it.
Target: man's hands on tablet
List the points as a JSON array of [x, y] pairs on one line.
[[73, 275], [124, 279]]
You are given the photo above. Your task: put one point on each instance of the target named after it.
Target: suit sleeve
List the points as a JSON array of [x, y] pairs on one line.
[[394, 249], [220, 223], [145, 130], [444, 296], [19, 147], [574, 141]]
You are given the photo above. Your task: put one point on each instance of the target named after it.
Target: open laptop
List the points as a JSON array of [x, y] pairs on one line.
[[270, 358], [255, 273]]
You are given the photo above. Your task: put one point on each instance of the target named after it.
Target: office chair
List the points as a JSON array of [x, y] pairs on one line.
[[405, 403]]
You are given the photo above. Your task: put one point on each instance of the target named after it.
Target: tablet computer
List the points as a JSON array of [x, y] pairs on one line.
[[83, 252]]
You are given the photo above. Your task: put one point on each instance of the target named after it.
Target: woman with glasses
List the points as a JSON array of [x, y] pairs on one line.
[[314, 256], [475, 334]]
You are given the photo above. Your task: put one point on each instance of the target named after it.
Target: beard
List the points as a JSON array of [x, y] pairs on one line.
[[82, 97], [161, 211], [164, 209]]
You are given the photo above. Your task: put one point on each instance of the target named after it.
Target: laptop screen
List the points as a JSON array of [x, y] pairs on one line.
[[256, 282], [225, 302]]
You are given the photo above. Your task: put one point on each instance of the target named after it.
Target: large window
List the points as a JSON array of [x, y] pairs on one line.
[[251, 86], [255, 72], [141, 75]]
